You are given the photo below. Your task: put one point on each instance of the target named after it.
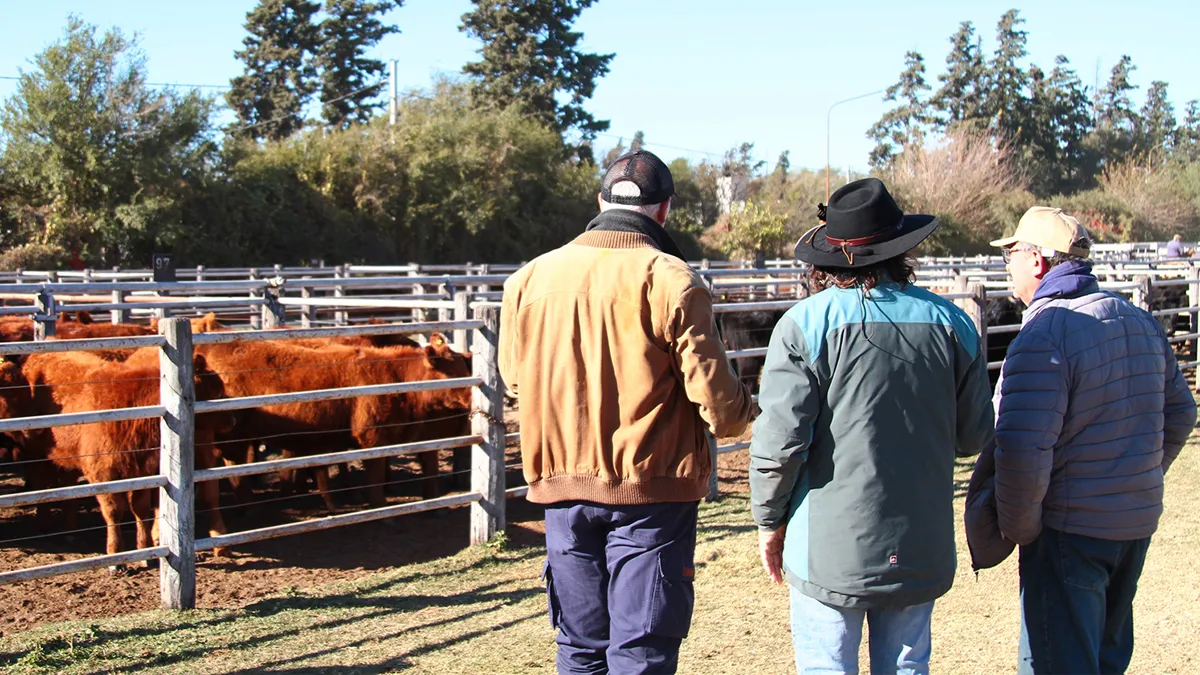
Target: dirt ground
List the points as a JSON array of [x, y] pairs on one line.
[[483, 609], [252, 571]]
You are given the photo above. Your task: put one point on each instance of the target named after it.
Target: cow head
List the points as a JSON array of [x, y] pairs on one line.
[[209, 386], [15, 400], [445, 360]]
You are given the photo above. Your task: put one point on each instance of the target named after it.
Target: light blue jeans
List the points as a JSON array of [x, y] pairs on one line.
[[827, 638]]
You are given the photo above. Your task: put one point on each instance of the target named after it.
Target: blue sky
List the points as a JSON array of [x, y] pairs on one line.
[[695, 75]]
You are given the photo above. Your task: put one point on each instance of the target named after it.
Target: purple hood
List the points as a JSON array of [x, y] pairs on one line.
[[1067, 279]]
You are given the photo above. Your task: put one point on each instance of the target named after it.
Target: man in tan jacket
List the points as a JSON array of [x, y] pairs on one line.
[[611, 346]]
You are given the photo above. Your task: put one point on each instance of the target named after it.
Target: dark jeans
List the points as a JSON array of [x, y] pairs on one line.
[[619, 584], [1077, 603]]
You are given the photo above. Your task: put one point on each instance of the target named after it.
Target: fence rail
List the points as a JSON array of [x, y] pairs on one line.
[[177, 478], [467, 312]]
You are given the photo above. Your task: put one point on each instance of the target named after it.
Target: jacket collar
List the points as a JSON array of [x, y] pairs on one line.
[[623, 220], [1068, 280]]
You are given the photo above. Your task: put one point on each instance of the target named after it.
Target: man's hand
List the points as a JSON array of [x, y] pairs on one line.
[[770, 549]]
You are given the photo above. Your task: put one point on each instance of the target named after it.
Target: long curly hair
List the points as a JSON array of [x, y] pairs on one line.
[[902, 269]]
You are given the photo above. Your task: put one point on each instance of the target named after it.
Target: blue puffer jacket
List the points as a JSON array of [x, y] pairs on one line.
[[1092, 411]]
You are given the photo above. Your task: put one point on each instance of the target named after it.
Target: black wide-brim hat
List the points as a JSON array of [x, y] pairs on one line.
[[863, 226]]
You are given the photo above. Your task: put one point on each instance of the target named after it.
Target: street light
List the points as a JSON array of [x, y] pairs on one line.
[[827, 116]]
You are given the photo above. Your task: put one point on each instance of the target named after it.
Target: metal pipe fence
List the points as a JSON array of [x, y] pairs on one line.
[[177, 478], [474, 323]]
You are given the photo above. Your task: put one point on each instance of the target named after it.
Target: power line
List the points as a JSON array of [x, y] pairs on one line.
[[157, 84], [663, 145], [297, 113]]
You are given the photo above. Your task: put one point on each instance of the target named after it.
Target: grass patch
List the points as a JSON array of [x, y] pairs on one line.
[[483, 611]]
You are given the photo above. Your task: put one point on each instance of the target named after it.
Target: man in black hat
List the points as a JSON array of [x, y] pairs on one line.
[[870, 389], [610, 344]]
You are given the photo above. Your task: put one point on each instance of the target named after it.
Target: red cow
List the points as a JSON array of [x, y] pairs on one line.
[[110, 451], [252, 369]]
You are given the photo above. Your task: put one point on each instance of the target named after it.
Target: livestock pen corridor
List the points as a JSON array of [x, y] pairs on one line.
[[180, 480], [177, 412]]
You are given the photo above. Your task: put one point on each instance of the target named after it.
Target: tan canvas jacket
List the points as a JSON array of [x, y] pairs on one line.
[[612, 348]]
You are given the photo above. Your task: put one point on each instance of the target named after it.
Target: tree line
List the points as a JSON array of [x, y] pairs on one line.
[[98, 167], [501, 162], [1018, 132]]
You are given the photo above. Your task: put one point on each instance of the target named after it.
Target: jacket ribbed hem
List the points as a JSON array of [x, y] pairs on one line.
[[878, 600], [613, 239], [617, 493]]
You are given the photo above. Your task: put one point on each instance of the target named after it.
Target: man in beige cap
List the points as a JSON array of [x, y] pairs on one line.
[[1091, 409]]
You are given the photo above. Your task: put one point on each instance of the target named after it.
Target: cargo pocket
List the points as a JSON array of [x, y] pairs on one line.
[[553, 607], [673, 600]]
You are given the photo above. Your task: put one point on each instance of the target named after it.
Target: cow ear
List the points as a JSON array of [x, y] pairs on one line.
[[437, 340]]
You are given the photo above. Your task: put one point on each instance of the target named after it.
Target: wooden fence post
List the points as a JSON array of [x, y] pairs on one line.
[[255, 319], [447, 291], [977, 310], [1193, 295], [119, 315], [177, 571], [487, 458], [339, 317], [1144, 292], [306, 311], [45, 321], [484, 270], [417, 289], [199, 272], [462, 312]]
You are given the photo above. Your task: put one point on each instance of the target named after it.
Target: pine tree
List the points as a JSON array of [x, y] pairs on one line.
[[1061, 120], [1158, 121], [1007, 106], [784, 164], [1117, 123], [1113, 105], [1187, 137], [349, 80], [614, 154], [904, 125], [961, 96], [279, 76], [530, 56]]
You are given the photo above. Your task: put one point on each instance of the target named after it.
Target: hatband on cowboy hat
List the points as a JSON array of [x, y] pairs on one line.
[[863, 226]]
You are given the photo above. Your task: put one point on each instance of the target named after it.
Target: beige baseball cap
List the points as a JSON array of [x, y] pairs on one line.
[[1048, 227]]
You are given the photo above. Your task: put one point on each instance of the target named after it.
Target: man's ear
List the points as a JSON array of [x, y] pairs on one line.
[[599, 201], [1040, 265], [664, 209]]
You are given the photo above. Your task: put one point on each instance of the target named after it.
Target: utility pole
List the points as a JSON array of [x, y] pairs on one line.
[[393, 97]]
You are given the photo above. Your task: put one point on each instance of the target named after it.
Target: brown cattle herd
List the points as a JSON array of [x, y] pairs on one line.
[[51, 383]]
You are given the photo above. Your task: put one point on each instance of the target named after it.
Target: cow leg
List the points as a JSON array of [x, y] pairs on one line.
[[242, 485], [376, 471], [143, 511], [462, 468], [429, 474], [112, 507], [322, 474], [288, 478], [210, 494]]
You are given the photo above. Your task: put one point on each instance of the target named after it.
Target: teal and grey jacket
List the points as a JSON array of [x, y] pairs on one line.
[[866, 400]]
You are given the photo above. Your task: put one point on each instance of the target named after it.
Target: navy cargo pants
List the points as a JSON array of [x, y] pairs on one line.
[[619, 585]]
